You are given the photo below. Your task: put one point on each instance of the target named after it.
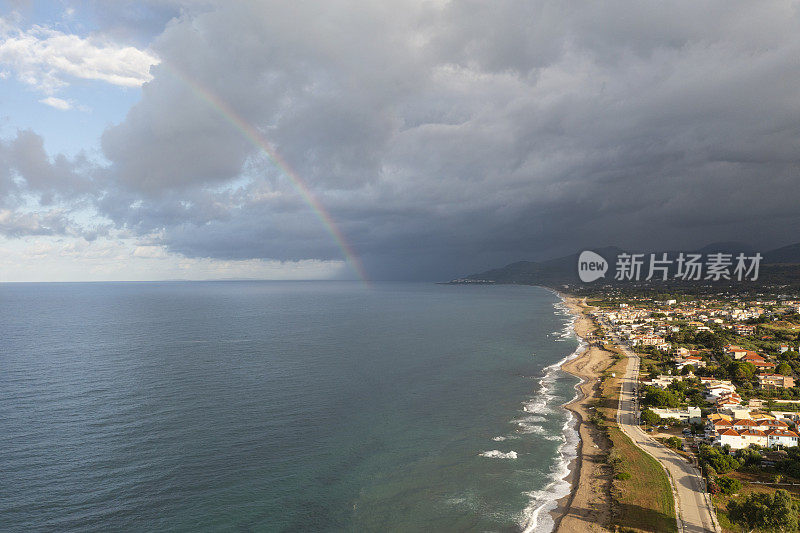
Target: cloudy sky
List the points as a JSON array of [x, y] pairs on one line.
[[412, 139]]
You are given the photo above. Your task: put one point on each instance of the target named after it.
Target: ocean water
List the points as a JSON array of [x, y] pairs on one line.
[[282, 406]]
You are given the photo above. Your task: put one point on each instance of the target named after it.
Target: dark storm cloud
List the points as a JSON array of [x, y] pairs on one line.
[[450, 137]]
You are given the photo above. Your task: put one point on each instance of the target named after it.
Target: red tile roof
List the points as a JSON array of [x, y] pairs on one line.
[[782, 433]]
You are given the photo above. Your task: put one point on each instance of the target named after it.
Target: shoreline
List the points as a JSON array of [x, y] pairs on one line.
[[560, 485], [587, 507]]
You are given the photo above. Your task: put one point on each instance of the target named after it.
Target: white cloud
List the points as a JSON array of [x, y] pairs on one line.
[[58, 103], [150, 252], [47, 58]]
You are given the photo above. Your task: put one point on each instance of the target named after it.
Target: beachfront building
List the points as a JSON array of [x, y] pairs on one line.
[[738, 440], [663, 381], [689, 415]]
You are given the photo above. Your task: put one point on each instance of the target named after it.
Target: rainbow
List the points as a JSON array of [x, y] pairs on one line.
[[257, 139]]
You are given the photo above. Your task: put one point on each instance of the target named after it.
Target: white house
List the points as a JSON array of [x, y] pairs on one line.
[[782, 437], [732, 438], [693, 360], [662, 381], [755, 436], [690, 414], [718, 389]]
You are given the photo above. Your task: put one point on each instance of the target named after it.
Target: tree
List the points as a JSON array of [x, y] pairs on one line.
[[729, 485], [769, 511], [649, 417], [709, 340], [741, 370], [784, 369], [656, 397], [717, 459]]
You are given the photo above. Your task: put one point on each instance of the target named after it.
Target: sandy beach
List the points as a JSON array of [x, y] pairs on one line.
[[588, 506]]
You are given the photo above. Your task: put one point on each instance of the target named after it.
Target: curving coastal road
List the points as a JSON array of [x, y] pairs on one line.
[[692, 503]]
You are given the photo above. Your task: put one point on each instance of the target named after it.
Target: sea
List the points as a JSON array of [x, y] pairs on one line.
[[283, 406]]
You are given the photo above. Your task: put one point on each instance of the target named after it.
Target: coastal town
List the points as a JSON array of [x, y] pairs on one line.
[[715, 383]]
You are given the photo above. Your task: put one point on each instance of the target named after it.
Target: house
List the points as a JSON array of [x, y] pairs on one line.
[[732, 438], [693, 360], [689, 415], [749, 357], [782, 437], [769, 424], [734, 351], [662, 381], [763, 365], [744, 424], [755, 436], [783, 348], [717, 388], [775, 381], [738, 412], [716, 427], [728, 402], [744, 329], [738, 440], [650, 340]]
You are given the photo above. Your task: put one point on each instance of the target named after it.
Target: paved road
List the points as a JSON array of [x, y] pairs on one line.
[[692, 503]]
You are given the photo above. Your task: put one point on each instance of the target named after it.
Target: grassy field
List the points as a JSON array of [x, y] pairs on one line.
[[644, 501], [642, 494]]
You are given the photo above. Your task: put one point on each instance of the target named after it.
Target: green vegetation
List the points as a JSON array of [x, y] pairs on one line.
[[643, 498], [790, 465], [729, 485], [650, 418], [713, 460], [655, 397], [765, 511]]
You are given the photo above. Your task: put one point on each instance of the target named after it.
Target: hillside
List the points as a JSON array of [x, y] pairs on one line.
[[778, 267]]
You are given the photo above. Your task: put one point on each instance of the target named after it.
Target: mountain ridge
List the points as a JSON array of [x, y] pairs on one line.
[[776, 264]]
